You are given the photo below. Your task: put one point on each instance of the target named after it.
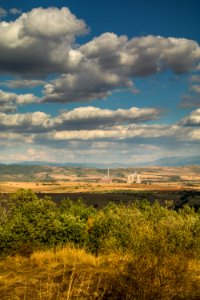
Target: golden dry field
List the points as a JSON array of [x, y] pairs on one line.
[[85, 187], [89, 180]]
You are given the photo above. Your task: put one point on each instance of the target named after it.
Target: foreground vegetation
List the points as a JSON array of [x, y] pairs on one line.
[[72, 251]]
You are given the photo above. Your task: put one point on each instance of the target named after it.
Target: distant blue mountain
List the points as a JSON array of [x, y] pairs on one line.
[[177, 161], [165, 161]]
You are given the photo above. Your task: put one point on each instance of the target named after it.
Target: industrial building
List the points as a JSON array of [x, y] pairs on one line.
[[134, 178]]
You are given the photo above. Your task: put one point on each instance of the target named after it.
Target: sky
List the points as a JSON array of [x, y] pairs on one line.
[[99, 81]]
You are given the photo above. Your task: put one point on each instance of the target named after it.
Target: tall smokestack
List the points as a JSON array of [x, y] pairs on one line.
[[108, 175]]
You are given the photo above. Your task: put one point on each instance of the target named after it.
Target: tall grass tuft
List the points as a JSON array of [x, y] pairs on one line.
[[71, 273]]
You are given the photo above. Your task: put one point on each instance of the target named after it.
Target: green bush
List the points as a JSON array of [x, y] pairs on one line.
[[156, 244], [27, 222]]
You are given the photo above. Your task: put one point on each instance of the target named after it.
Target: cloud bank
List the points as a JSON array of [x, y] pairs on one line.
[[43, 41], [40, 51]]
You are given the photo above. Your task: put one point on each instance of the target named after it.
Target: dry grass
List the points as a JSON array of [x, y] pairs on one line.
[[67, 273], [71, 273], [72, 179], [84, 187]]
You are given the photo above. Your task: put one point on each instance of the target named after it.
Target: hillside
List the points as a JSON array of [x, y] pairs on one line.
[[36, 173]]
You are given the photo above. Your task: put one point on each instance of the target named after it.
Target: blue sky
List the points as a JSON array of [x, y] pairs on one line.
[[99, 81]]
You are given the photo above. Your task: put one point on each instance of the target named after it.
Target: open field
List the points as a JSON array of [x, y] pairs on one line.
[[177, 176], [180, 184], [99, 195], [48, 179], [88, 187]]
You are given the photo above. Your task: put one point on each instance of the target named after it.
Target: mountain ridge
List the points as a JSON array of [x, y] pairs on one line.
[[165, 161]]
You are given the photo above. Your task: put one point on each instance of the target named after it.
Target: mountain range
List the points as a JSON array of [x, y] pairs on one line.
[[165, 161]]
